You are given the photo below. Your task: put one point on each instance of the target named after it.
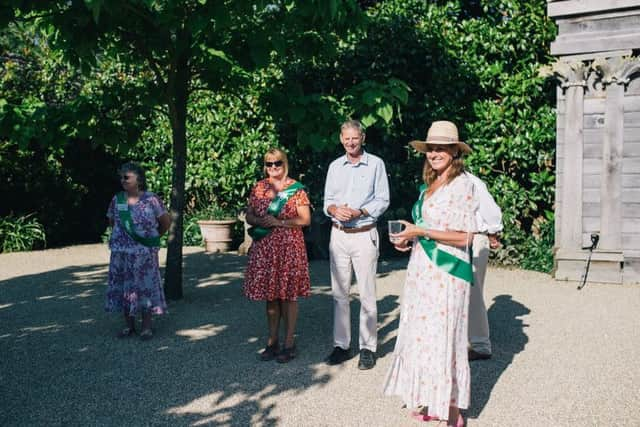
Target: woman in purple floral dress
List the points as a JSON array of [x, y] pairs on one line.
[[138, 219]]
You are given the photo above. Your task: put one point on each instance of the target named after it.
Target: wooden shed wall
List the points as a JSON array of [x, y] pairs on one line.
[[593, 134]]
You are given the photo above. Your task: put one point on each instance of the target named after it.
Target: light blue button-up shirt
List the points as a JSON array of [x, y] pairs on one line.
[[362, 185]]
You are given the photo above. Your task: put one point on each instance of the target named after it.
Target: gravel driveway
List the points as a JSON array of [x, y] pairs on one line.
[[562, 357]]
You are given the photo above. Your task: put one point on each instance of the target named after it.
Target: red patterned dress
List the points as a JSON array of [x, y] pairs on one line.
[[278, 268]]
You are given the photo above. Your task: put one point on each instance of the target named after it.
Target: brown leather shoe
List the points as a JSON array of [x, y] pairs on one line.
[[474, 355]]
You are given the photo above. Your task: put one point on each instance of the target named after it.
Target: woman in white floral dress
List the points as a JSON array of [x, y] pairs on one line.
[[430, 370]]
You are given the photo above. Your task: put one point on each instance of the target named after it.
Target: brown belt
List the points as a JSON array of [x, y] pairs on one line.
[[354, 229]]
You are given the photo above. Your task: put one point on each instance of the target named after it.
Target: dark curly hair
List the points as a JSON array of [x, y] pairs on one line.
[[138, 171]]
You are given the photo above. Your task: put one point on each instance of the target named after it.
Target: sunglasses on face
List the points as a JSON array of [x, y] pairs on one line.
[[276, 164], [126, 177]]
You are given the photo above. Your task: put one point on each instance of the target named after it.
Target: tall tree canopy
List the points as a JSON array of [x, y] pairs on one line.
[[183, 46]]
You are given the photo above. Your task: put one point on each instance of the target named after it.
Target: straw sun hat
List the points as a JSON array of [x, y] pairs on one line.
[[441, 133]]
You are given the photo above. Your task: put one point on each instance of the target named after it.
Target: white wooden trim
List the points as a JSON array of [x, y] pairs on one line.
[[571, 217], [601, 43], [594, 55], [577, 7], [611, 169], [631, 165]]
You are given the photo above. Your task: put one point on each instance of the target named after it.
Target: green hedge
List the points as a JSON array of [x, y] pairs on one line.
[[473, 62]]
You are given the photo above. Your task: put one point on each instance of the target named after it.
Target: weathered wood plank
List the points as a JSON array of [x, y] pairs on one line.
[[631, 180], [591, 195], [631, 165], [596, 135], [592, 26], [611, 189], [631, 135], [594, 121], [631, 210], [632, 120], [601, 43], [633, 88], [631, 149], [595, 225], [631, 102], [631, 241], [571, 225], [591, 106], [593, 55], [591, 181], [631, 195], [631, 225], [579, 7], [591, 210], [590, 224], [593, 150], [592, 166]]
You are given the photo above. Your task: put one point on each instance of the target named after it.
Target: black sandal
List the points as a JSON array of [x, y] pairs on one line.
[[127, 332], [269, 353], [286, 354]]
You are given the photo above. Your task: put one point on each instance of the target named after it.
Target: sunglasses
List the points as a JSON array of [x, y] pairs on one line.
[[277, 164]]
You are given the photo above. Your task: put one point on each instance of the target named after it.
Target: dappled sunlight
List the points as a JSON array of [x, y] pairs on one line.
[[47, 329], [84, 294], [202, 332], [218, 408], [207, 405], [219, 279], [88, 278]]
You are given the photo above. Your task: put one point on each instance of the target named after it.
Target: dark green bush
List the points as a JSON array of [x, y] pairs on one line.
[[227, 137], [23, 233], [474, 63]]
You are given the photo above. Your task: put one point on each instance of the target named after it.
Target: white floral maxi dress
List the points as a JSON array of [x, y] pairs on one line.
[[430, 366]]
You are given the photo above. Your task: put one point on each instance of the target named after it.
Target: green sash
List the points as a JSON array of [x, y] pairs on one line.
[[125, 218], [274, 209], [443, 260]]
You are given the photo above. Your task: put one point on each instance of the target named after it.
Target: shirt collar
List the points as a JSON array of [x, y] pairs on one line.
[[364, 159]]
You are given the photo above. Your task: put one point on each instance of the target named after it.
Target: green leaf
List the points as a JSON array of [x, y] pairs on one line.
[[386, 112], [368, 120]]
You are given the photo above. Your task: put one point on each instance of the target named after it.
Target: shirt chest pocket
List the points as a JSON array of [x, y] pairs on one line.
[[362, 183]]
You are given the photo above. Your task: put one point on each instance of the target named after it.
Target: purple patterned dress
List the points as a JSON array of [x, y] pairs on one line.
[[134, 270]]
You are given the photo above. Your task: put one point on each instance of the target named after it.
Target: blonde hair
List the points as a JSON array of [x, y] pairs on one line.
[[457, 168], [279, 155]]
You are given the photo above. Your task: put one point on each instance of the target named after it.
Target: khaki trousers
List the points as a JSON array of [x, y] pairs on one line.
[[357, 252], [478, 321]]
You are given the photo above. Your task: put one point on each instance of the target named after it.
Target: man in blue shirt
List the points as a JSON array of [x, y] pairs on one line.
[[356, 194]]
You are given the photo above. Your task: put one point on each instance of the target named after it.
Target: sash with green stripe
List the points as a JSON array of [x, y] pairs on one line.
[[127, 222], [274, 209], [443, 260]]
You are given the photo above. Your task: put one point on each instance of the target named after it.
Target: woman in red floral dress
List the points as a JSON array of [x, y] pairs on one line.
[[278, 269]]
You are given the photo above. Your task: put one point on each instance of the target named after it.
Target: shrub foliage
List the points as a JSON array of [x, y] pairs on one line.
[[473, 62]]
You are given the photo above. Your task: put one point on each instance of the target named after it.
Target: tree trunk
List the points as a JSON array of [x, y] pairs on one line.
[[178, 92]]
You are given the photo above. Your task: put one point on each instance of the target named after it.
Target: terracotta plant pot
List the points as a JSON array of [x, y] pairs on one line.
[[216, 234]]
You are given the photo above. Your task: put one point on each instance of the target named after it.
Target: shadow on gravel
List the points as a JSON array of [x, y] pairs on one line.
[[61, 364], [507, 339]]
